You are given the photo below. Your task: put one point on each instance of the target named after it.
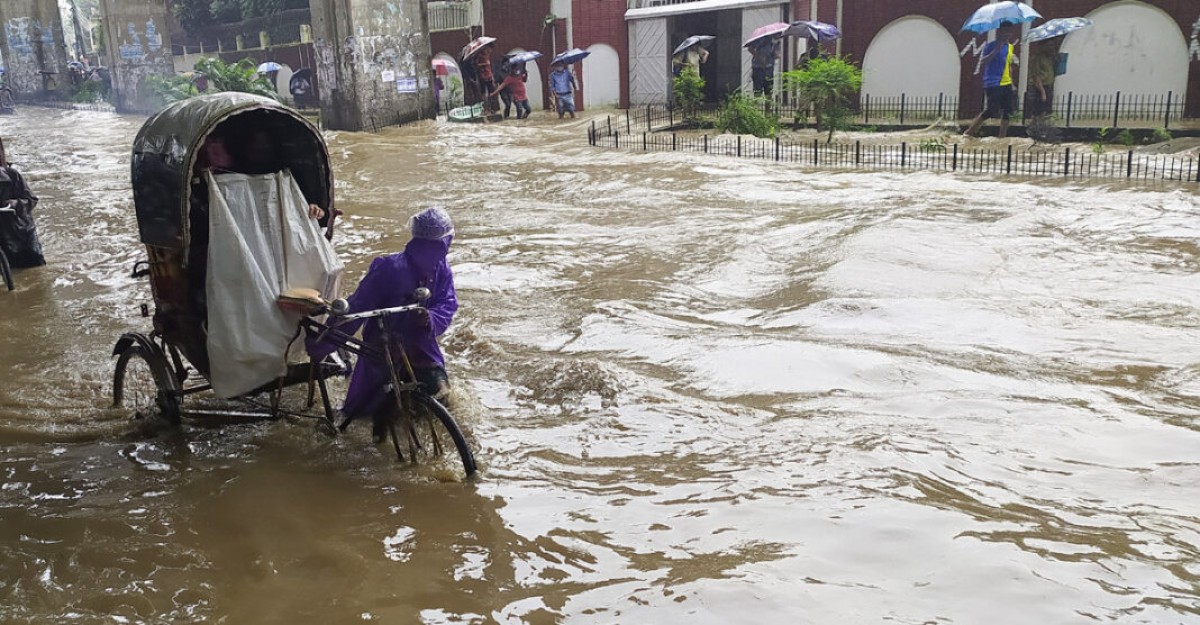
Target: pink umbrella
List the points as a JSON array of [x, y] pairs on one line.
[[441, 67], [770, 30]]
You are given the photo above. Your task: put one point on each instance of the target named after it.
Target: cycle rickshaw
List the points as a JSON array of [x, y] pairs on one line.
[[239, 272]]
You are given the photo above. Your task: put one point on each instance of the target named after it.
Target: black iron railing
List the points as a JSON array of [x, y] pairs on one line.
[[932, 154]]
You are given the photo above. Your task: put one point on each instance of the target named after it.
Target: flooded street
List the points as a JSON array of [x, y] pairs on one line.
[[704, 390]]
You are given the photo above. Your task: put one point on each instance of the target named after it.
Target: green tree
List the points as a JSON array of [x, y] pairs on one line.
[[241, 76], [227, 10], [827, 84], [688, 87], [193, 14]]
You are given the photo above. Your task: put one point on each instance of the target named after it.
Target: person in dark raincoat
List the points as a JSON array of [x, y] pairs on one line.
[[392, 281], [18, 234]]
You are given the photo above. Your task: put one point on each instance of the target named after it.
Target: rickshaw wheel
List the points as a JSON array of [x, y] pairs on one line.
[[142, 382], [430, 429], [6, 270]]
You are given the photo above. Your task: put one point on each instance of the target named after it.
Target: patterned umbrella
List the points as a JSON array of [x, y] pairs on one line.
[[770, 30], [812, 29], [1057, 27], [691, 41], [992, 16], [574, 55], [524, 57], [476, 45]]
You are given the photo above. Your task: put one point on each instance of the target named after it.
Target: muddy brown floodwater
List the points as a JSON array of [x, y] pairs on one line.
[[704, 390]]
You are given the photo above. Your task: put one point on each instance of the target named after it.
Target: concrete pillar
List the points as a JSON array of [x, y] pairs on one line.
[[138, 46], [264, 39], [240, 42], [31, 41], [373, 62]]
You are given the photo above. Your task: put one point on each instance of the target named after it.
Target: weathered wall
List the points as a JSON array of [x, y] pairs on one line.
[[373, 60], [31, 41], [138, 46]]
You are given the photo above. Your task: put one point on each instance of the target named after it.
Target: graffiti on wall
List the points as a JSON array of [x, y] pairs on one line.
[[1194, 48], [25, 32], [132, 48], [975, 48]]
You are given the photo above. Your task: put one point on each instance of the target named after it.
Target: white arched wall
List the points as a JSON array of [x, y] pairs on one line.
[[602, 76], [1131, 47], [913, 55]]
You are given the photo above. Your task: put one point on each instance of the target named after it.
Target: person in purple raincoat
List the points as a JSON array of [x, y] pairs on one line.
[[392, 281]]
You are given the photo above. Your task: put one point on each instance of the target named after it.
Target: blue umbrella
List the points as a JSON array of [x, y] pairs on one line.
[[812, 29], [992, 16], [574, 55], [1057, 27], [524, 57], [691, 41], [268, 67]]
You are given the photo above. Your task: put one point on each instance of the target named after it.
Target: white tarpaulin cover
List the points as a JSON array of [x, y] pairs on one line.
[[261, 243]]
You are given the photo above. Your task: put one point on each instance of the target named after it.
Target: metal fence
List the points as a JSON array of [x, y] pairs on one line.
[[930, 155], [1069, 109]]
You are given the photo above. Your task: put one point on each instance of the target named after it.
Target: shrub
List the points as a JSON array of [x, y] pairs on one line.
[[1160, 135], [827, 84], [745, 115], [1125, 138], [688, 88]]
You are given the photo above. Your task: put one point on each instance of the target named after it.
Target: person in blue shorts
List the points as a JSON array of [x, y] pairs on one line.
[[998, 59]]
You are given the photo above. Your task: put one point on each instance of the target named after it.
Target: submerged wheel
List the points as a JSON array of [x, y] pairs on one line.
[[143, 383], [6, 271], [432, 427]]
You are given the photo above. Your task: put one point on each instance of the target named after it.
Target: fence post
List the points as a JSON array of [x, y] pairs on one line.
[[1116, 109], [816, 144], [617, 140], [954, 162], [644, 141], [939, 105], [1070, 98], [1129, 165], [706, 144], [1008, 165], [777, 147], [672, 142], [857, 152], [739, 149], [628, 129], [1067, 163], [903, 147], [1167, 117], [671, 115], [867, 110], [901, 109], [609, 117]]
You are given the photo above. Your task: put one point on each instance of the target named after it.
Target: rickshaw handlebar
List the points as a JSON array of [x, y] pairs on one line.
[[378, 312]]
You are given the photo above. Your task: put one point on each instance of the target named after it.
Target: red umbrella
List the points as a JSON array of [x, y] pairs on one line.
[[441, 67], [770, 30]]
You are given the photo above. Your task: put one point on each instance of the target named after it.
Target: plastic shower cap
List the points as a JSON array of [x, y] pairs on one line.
[[432, 223]]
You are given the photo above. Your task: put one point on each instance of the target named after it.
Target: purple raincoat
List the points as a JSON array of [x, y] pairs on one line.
[[389, 282]]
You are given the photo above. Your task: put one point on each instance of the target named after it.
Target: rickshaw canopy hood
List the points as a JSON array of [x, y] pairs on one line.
[[166, 148]]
